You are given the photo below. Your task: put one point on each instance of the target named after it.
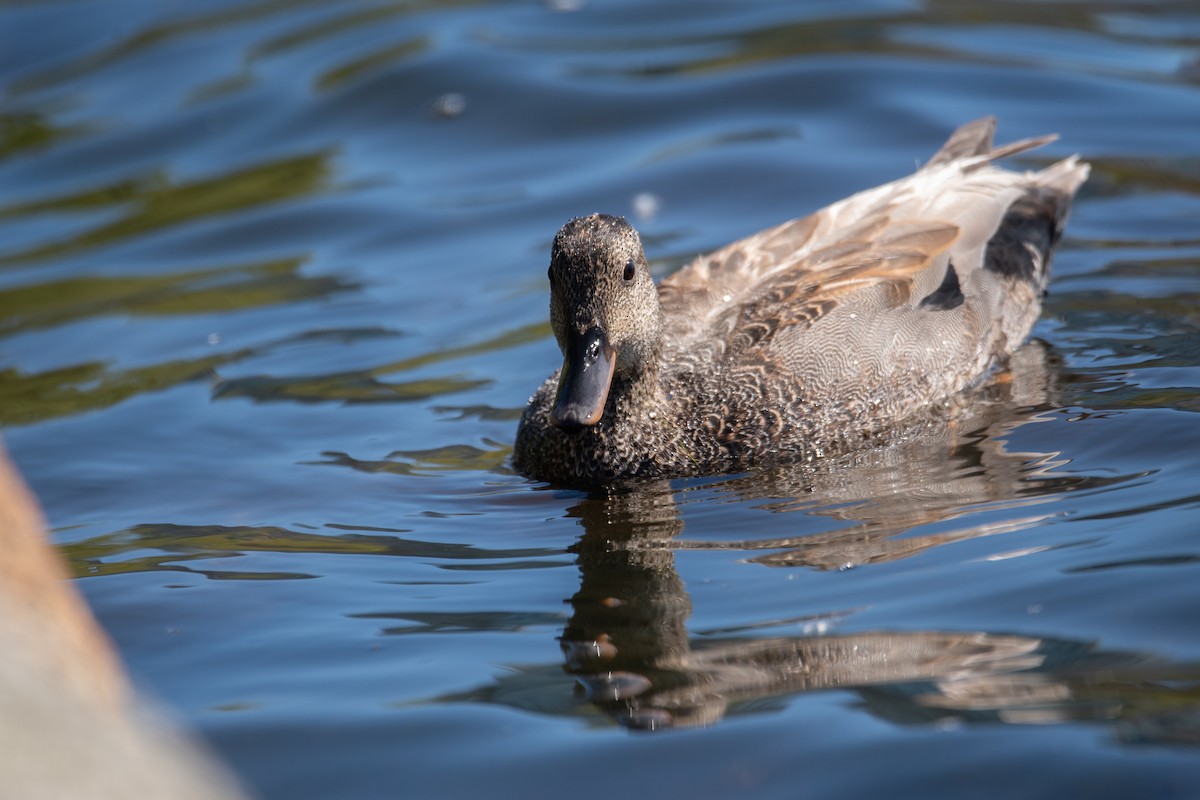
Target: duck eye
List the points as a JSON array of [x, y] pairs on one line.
[[629, 271]]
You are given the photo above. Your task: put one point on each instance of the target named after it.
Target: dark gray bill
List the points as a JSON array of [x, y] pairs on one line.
[[583, 386]]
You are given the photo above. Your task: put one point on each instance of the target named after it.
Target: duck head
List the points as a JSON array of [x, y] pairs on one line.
[[605, 314]]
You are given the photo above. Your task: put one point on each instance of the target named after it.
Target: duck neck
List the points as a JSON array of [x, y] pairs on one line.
[[636, 401]]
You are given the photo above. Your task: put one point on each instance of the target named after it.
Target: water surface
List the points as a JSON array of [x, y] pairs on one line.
[[272, 297]]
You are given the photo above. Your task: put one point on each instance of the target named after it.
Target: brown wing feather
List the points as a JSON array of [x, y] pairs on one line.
[[750, 290], [795, 273], [802, 294]]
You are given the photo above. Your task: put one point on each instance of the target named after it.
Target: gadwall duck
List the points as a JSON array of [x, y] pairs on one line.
[[811, 337]]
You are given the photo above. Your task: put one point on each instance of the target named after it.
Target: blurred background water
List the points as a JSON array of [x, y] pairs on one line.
[[272, 297]]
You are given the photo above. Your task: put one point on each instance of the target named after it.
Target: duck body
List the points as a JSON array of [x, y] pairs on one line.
[[811, 337]]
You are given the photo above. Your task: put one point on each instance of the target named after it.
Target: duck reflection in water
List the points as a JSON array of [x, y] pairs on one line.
[[628, 645]]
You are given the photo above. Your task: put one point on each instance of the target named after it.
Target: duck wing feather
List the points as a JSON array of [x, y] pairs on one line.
[[894, 247]]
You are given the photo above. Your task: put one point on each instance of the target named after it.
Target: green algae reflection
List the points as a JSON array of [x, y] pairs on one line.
[[29, 398], [451, 458], [368, 386], [158, 204], [27, 130], [26, 398], [203, 291], [176, 545]]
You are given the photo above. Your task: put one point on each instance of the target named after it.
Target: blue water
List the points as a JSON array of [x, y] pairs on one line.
[[272, 297]]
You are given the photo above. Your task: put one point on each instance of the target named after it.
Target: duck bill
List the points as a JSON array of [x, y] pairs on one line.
[[585, 380]]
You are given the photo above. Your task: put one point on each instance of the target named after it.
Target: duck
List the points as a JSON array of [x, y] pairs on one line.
[[812, 337]]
